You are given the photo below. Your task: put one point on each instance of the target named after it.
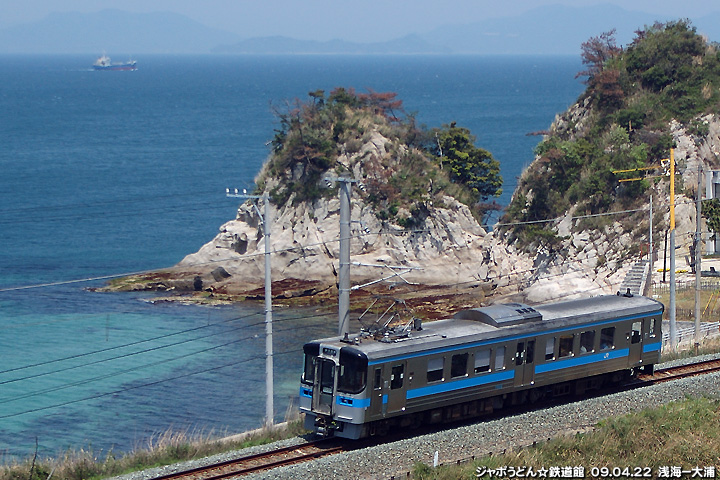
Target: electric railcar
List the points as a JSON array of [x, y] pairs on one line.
[[480, 360]]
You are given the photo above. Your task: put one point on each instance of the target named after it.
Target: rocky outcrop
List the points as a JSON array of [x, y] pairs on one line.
[[449, 247]]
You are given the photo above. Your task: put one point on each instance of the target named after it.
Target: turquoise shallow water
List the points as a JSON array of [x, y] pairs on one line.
[[112, 172]]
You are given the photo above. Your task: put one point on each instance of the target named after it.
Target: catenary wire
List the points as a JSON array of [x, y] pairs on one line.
[[240, 327], [129, 370], [134, 387]]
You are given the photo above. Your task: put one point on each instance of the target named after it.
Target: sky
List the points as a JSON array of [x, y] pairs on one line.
[[359, 21]]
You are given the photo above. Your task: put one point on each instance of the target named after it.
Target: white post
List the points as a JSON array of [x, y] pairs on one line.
[[344, 268], [269, 408], [267, 221]]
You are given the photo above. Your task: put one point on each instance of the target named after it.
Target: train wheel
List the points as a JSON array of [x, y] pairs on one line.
[[536, 395], [382, 429]]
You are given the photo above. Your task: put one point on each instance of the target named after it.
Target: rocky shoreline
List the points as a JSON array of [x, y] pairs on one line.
[[450, 251]]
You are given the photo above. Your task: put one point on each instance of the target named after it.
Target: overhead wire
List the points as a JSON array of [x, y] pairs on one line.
[[134, 387], [155, 348], [127, 370]]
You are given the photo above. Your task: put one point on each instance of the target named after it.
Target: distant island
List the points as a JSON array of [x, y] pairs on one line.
[[547, 30]]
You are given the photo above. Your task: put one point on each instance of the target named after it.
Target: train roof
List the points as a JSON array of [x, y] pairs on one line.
[[478, 325]]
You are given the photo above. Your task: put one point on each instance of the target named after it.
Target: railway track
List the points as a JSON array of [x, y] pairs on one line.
[[682, 371], [321, 448], [261, 461]]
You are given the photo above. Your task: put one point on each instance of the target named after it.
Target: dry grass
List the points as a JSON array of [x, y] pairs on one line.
[[685, 434], [164, 449]]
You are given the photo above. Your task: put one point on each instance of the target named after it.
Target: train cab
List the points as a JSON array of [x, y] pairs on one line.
[[333, 388]]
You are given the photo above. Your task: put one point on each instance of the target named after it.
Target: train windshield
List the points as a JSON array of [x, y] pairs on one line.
[[353, 371], [312, 350]]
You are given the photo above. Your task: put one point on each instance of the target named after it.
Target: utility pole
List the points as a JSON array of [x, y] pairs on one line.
[[266, 221], [697, 259], [650, 250], [344, 267], [673, 328]]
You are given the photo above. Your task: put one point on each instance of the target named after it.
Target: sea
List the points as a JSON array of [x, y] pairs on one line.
[[108, 173]]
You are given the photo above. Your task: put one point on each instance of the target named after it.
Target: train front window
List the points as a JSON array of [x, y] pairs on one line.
[[327, 376], [353, 371], [312, 350]]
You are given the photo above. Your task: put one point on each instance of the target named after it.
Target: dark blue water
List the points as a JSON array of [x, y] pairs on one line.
[[112, 172]]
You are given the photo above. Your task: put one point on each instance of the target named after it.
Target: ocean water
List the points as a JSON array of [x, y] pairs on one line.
[[106, 173]]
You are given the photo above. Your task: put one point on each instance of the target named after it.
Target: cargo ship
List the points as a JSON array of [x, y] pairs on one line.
[[103, 63]]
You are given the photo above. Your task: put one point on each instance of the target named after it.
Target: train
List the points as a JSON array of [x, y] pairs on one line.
[[480, 360]]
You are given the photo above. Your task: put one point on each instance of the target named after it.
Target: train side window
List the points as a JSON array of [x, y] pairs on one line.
[[311, 350], [636, 332], [482, 361], [500, 358], [587, 341], [651, 328], [435, 369], [377, 384], [550, 349], [530, 352], [458, 365], [566, 346], [607, 338], [396, 377]]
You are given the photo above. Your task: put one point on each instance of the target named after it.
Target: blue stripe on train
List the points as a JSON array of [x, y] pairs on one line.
[[582, 360], [353, 402], [652, 347], [458, 384]]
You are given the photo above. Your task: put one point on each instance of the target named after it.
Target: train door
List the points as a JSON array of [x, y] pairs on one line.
[[397, 386], [525, 363], [635, 340], [324, 386], [377, 405], [389, 386]]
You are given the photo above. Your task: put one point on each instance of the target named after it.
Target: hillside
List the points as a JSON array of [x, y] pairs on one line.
[[660, 92]]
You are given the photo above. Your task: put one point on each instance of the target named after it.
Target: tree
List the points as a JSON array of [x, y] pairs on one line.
[[664, 54], [711, 213], [472, 166], [603, 79], [596, 53]]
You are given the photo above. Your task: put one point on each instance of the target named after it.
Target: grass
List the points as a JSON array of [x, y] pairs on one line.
[[685, 301], [685, 434], [165, 449]]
